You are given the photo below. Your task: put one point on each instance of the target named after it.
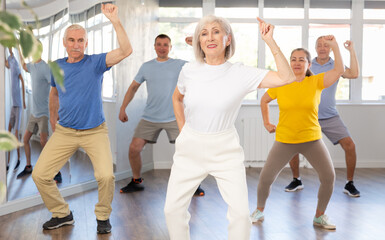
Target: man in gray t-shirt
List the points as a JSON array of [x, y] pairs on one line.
[[18, 100], [38, 120], [161, 76]]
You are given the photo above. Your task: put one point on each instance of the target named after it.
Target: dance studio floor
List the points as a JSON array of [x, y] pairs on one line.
[[139, 216]]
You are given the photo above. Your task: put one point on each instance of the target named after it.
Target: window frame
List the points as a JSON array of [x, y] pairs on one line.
[[355, 21]]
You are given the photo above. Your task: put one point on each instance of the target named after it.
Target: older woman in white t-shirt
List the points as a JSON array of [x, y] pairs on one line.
[[206, 102]]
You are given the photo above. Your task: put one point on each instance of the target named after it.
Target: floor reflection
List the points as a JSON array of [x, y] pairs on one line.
[[77, 170]]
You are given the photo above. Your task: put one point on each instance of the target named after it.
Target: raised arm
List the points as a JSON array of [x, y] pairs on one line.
[[284, 75], [334, 74], [265, 100], [127, 99], [125, 49], [23, 90], [354, 69], [177, 102], [23, 64], [53, 107]]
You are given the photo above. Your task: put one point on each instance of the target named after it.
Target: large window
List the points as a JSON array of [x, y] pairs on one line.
[[298, 23]]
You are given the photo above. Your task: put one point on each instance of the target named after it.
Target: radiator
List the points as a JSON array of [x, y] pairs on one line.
[[255, 140]]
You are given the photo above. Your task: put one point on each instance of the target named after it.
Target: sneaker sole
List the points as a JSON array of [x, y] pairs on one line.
[[139, 190], [294, 189], [60, 225], [259, 220], [104, 232], [351, 195], [323, 226]]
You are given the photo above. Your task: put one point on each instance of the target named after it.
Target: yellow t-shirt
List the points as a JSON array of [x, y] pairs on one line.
[[298, 110]]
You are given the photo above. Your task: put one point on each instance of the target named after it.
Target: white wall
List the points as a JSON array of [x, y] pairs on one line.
[[141, 26], [365, 123]]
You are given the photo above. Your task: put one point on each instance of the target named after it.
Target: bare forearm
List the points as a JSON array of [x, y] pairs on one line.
[[124, 42], [127, 98], [284, 70], [265, 113], [53, 109], [354, 69], [179, 114]]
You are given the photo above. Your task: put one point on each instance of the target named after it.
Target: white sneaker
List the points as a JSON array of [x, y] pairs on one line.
[[323, 222], [257, 216]]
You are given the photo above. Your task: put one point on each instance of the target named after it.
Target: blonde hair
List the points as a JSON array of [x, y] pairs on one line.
[[74, 27], [225, 25]]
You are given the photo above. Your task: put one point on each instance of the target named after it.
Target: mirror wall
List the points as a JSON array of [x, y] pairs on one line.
[[140, 21], [54, 16]]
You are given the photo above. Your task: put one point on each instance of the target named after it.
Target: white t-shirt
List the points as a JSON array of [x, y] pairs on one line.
[[213, 93]]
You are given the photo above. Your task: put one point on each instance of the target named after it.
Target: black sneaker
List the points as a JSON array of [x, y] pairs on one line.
[[103, 226], [134, 186], [199, 192], [17, 165], [27, 170], [58, 178], [56, 222], [7, 168], [351, 190], [295, 185]]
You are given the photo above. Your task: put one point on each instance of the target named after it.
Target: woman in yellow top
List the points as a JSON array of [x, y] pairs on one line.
[[298, 130]]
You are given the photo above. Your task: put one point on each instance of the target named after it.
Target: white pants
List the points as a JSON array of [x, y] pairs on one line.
[[197, 155]]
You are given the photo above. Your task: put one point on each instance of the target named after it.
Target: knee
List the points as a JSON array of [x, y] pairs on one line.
[[25, 140], [329, 178], [134, 149], [349, 145], [107, 177]]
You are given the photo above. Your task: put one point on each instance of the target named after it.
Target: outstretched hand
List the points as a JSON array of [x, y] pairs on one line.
[[110, 11], [266, 29]]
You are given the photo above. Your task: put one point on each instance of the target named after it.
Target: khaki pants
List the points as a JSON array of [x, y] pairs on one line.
[[60, 147]]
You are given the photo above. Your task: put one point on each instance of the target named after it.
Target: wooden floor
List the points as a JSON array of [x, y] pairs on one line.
[[139, 216]]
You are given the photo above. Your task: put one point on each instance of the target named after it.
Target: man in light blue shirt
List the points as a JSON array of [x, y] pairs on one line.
[[38, 120], [328, 117], [17, 100], [161, 76]]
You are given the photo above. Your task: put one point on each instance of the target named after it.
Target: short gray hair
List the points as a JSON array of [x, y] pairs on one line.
[[225, 25], [75, 27]]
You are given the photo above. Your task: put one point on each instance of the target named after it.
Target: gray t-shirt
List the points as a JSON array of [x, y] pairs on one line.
[[40, 79], [161, 79], [327, 107], [15, 81]]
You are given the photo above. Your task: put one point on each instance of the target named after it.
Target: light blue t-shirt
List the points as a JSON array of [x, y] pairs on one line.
[[161, 79], [327, 107], [15, 82], [40, 79], [81, 104]]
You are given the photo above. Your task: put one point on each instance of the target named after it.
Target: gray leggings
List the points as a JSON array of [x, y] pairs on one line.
[[281, 153]]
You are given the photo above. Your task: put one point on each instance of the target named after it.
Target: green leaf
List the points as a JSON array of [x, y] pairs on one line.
[[7, 37], [8, 141], [12, 20], [26, 43], [37, 50], [58, 74]]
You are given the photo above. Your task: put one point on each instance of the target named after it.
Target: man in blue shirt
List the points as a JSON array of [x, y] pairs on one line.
[[328, 117], [14, 121], [161, 76], [77, 120]]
